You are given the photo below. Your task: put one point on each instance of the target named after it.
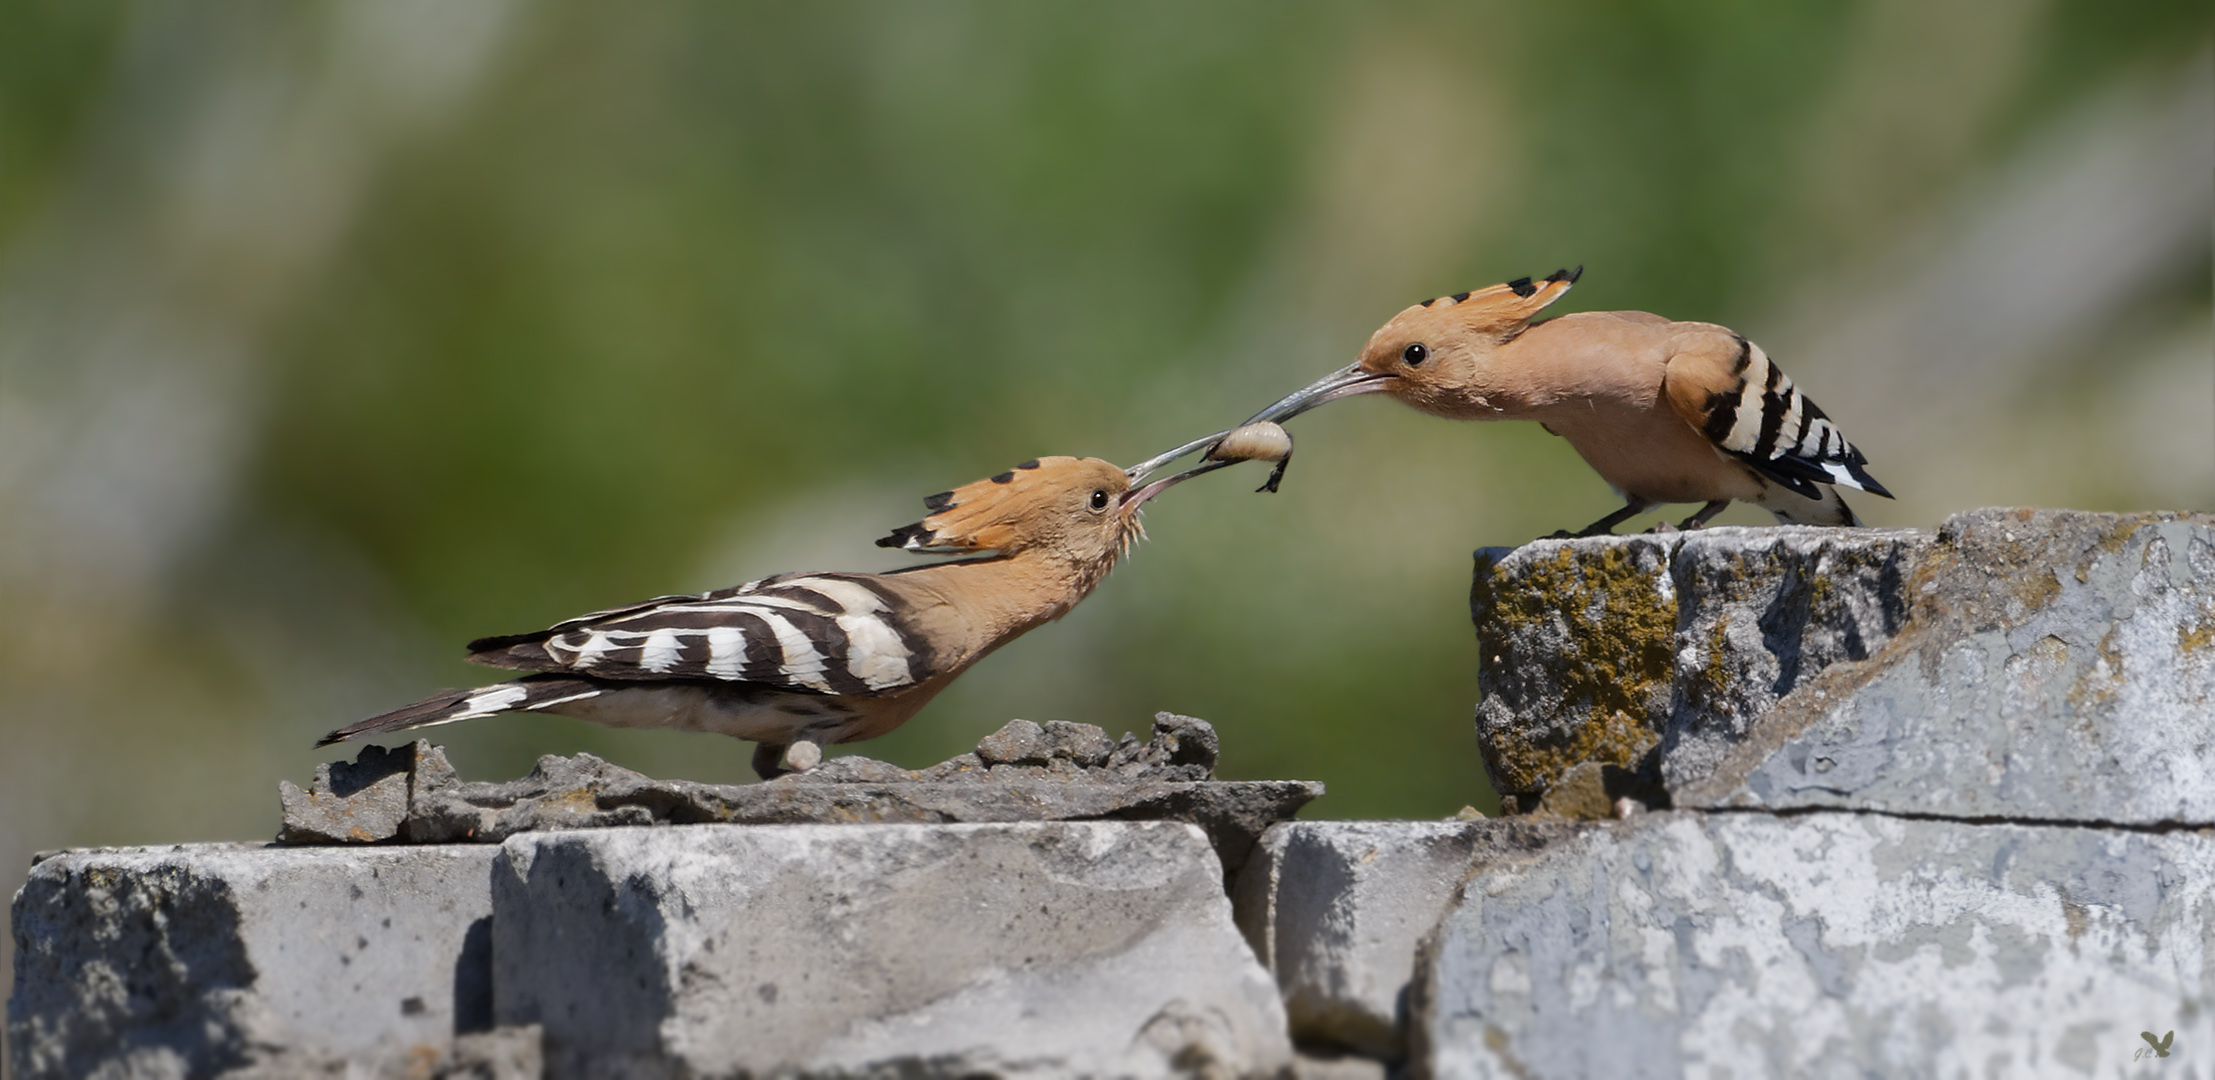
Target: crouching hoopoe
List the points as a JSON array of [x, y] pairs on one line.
[[1665, 412], [798, 661]]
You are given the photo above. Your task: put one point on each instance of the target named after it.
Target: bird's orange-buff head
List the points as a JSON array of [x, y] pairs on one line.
[[1433, 354], [1079, 509]]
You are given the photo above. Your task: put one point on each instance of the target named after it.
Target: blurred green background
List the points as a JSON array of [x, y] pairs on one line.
[[333, 335]]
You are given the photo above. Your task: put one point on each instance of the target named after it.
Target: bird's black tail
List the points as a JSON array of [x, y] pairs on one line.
[[447, 706]]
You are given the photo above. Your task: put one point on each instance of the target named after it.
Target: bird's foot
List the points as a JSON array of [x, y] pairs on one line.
[[1663, 528]]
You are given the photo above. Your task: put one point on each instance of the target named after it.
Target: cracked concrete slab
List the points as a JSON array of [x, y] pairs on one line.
[[1027, 949], [196, 959], [1337, 910], [2056, 666], [1824, 943]]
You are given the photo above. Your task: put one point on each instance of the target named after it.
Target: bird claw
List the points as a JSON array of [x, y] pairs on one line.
[[1663, 528]]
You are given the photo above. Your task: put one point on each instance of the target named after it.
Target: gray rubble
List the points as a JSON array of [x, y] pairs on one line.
[[2031, 665], [1058, 771], [1824, 944], [1031, 949]]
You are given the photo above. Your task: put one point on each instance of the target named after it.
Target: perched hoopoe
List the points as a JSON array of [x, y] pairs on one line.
[[1665, 412], [799, 661]]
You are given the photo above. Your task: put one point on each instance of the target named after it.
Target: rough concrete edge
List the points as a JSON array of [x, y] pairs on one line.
[[1541, 840], [1641, 779], [1815, 699]]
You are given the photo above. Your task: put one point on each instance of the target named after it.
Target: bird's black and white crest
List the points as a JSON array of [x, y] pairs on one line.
[[1768, 423], [845, 634]]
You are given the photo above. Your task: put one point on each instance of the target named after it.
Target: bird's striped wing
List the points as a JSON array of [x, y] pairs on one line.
[[814, 633], [1728, 389]]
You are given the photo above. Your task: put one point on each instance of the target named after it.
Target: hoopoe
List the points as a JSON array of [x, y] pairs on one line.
[[1665, 412], [799, 661]]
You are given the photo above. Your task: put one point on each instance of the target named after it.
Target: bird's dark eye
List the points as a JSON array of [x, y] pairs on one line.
[[1099, 499], [1414, 354]]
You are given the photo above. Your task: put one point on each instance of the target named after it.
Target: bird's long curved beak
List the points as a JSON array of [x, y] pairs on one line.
[[1346, 382], [1139, 472], [1343, 383], [1141, 490]]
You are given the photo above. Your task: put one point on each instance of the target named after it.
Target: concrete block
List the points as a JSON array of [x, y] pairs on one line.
[[2035, 665], [2056, 666], [1824, 944], [200, 958], [1050, 949], [1337, 909], [1657, 652]]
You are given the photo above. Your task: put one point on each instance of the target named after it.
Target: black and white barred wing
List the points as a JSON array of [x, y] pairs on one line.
[[1736, 396], [843, 634]]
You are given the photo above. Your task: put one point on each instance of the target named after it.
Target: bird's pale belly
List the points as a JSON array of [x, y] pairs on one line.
[[1659, 458], [744, 711]]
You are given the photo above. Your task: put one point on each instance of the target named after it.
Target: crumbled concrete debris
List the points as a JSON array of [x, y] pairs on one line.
[[360, 801], [1058, 771]]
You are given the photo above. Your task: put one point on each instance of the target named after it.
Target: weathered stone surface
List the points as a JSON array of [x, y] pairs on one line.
[[1608, 649], [2030, 665], [499, 1054], [1824, 944], [2055, 666], [1048, 948], [198, 958], [1024, 772], [361, 801], [1336, 910]]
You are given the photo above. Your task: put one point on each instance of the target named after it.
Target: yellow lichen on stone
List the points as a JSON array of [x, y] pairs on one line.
[[1715, 675], [1613, 670], [2192, 637], [2040, 586]]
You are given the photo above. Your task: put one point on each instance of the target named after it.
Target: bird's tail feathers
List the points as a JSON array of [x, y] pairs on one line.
[[527, 694]]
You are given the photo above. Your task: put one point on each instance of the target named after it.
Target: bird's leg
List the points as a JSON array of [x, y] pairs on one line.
[[1605, 526], [768, 760], [1706, 514]]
